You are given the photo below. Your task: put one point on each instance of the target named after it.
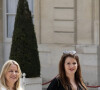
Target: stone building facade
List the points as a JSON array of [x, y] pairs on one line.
[[62, 25]]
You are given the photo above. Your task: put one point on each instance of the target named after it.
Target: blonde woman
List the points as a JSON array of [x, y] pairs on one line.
[[10, 76]]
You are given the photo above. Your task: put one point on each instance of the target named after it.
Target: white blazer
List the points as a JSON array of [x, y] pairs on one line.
[[3, 88]]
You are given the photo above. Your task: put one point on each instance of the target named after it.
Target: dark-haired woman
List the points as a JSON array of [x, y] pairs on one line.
[[69, 77]]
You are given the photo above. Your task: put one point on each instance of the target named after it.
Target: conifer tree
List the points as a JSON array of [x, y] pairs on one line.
[[24, 47]]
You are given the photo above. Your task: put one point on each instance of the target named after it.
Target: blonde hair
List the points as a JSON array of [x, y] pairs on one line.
[[4, 70]]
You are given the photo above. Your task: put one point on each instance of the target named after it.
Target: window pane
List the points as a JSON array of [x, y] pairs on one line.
[[30, 3], [12, 6], [11, 9], [10, 26]]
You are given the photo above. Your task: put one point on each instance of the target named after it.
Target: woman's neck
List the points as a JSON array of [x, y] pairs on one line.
[[73, 82], [11, 86], [71, 78]]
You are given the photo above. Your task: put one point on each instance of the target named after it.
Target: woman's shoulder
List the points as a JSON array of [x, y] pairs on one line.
[[54, 84], [2, 87], [55, 81], [81, 87], [20, 88]]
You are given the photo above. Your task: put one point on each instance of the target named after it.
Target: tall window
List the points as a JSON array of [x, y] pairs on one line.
[[11, 7]]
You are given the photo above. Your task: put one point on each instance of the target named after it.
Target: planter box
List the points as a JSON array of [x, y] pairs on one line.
[[32, 83]]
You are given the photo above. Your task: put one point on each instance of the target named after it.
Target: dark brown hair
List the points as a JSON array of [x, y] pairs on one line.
[[62, 74]]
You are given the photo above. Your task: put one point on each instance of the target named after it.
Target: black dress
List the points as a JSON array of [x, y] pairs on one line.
[[56, 85]]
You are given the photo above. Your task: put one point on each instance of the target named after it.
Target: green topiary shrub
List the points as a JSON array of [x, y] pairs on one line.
[[24, 48]]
